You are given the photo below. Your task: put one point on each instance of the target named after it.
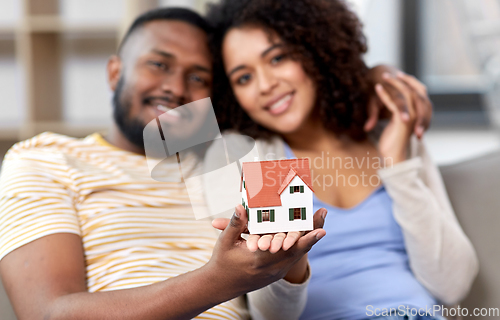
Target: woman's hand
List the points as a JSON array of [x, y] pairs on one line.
[[378, 111], [393, 143]]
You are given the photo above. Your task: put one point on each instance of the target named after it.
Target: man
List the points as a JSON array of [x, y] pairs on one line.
[[86, 233]]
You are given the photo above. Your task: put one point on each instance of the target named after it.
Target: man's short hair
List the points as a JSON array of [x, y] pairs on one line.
[[172, 13]]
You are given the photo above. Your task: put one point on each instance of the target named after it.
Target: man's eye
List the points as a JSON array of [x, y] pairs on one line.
[[197, 79], [243, 79], [158, 65]]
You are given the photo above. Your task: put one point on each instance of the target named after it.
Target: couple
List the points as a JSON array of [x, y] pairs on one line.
[[85, 233]]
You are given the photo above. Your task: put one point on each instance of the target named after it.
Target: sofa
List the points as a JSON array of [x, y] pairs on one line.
[[474, 190]]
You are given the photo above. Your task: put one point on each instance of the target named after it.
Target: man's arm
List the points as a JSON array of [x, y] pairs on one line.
[[45, 279]]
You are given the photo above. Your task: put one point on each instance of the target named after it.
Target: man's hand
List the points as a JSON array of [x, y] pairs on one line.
[[247, 270], [275, 241], [377, 110]]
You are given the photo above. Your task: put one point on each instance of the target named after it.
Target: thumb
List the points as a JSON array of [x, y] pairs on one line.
[[319, 218], [220, 223], [236, 226]]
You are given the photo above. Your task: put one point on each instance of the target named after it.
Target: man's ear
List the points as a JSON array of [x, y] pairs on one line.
[[114, 70]]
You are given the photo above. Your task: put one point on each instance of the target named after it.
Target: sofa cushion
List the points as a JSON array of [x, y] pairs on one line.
[[474, 190]]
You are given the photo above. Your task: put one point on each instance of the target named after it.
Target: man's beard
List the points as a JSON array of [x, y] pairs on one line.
[[131, 128]]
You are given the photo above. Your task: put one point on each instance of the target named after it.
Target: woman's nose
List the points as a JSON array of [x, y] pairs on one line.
[[267, 81]]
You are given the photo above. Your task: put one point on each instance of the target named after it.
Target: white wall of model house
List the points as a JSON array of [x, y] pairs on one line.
[[282, 222]]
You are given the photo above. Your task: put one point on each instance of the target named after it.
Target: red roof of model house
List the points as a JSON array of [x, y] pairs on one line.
[[266, 180]]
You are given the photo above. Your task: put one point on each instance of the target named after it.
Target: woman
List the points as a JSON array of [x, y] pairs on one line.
[[290, 74]]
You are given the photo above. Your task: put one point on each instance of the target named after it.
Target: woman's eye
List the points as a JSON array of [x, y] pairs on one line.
[[243, 79], [277, 59]]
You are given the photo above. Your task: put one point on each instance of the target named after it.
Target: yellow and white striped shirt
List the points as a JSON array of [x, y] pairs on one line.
[[135, 230]]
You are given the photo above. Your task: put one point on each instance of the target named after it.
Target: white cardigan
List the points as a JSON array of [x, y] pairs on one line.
[[440, 254]]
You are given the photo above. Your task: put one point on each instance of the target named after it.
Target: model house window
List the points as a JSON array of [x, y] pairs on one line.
[[294, 189], [265, 215], [297, 214]]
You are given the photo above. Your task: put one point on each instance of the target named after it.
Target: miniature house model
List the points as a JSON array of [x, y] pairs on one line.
[[277, 195]]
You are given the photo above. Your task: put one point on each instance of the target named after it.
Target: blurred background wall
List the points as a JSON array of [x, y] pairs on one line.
[[53, 55]]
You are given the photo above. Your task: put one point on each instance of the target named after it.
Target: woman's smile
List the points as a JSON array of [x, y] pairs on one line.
[[280, 104]]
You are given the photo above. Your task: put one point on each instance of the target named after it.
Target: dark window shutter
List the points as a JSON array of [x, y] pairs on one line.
[[248, 213], [272, 215], [290, 214], [259, 215], [242, 202], [301, 189], [244, 185], [303, 212], [291, 189]]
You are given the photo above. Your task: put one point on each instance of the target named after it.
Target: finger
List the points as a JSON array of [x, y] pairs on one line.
[[424, 107], [412, 108], [428, 114], [252, 242], [277, 242], [386, 100], [291, 239], [265, 242], [373, 112], [413, 83], [305, 243], [405, 91], [235, 227], [428, 109], [319, 218], [421, 110], [220, 223]]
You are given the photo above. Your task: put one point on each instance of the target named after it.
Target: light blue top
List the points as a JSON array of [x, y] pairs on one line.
[[361, 262]]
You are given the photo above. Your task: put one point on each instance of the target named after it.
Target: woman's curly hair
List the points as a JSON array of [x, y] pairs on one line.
[[324, 35]]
